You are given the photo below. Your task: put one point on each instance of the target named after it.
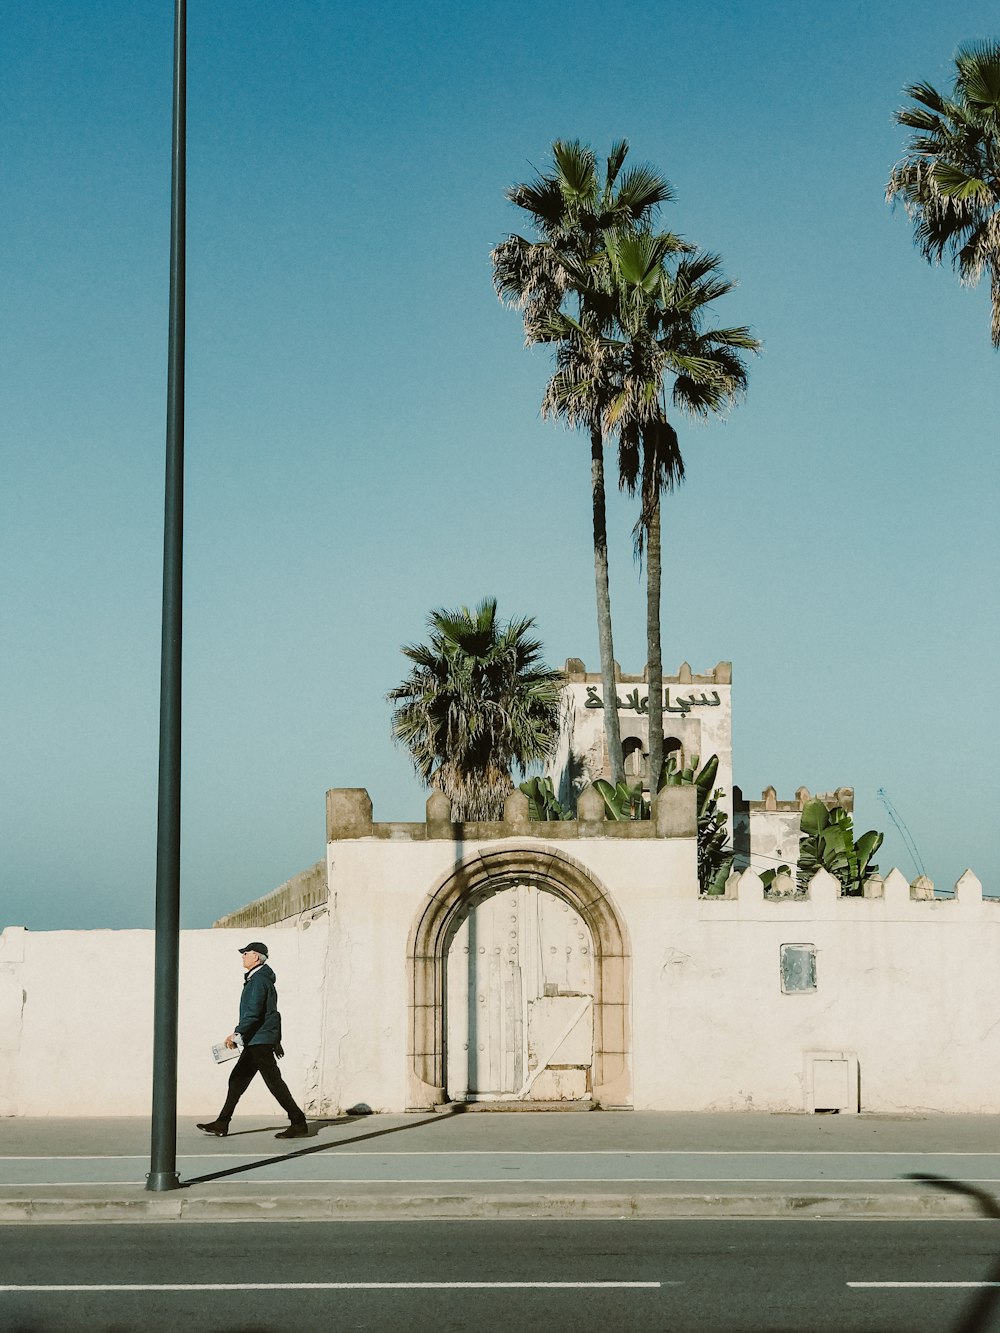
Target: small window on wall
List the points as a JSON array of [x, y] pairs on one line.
[[798, 968]]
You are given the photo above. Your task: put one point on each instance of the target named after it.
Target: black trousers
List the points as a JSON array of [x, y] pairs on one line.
[[259, 1060]]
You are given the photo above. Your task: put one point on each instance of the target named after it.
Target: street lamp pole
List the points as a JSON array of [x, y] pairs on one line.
[[163, 1147]]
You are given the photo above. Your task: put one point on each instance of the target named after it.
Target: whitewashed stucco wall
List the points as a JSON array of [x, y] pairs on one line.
[[76, 1019], [377, 888], [906, 986]]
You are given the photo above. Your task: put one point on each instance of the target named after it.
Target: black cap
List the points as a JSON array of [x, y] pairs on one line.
[[255, 946]]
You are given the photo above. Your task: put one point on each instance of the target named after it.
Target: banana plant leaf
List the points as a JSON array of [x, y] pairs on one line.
[[827, 842], [815, 817], [543, 804], [623, 802]]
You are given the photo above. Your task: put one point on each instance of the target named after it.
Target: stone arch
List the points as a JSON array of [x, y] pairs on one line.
[[481, 875]]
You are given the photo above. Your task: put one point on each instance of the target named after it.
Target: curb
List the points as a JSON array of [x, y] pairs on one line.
[[179, 1206]]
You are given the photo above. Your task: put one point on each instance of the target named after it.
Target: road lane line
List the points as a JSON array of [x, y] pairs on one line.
[[506, 1180], [923, 1284], [512, 1152], [332, 1286]]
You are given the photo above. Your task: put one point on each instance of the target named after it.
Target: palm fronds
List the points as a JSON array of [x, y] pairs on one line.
[[949, 179], [624, 308], [478, 703]]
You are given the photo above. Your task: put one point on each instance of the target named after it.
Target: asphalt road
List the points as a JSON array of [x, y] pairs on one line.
[[682, 1276]]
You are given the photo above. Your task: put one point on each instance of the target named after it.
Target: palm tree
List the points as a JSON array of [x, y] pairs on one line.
[[478, 702], [659, 322], [949, 180], [572, 208], [642, 349]]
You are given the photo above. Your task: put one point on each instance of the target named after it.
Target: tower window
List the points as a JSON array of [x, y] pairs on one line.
[[634, 756]]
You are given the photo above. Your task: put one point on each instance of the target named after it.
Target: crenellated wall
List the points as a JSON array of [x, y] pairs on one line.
[[766, 832], [697, 718], [773, 1001], [902, 996], [901, 1007], [385, 996]]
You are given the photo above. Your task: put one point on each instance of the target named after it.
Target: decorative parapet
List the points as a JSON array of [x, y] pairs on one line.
[[721, 674], [349, 816], [969, 888], [894, 890], [842, 797], [349, 810], [299, 894]]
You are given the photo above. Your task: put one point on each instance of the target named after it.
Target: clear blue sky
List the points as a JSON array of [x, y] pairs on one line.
[[364, 441]]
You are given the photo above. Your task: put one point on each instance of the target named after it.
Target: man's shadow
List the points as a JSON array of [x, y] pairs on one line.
[[979, 1316], [438, 1117]]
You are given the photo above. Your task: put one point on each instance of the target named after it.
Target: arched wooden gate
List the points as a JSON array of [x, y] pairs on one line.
[[444, 914]]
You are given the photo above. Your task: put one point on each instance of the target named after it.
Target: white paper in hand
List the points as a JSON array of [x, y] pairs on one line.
[[222, 1052]]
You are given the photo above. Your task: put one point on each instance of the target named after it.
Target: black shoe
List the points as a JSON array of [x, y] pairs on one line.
[[294, 1132], [218, 1128]]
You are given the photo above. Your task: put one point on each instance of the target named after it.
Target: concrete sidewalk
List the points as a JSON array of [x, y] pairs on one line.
[[454, 1164]]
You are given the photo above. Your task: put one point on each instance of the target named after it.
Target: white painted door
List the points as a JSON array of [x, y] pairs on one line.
[[519, 1000]]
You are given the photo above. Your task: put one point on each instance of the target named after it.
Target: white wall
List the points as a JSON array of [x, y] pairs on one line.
[[377, 886], [907, 986], [76, 1019], [774, 839]]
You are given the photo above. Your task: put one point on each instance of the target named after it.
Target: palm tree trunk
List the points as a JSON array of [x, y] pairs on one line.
[[612, 730], [654, 648]]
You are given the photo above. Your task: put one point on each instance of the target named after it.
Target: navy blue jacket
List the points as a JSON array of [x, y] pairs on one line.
[[260, 1022]]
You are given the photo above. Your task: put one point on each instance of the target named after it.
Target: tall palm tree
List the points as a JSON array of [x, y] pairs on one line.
[[572, 208], [949, 180], [643, 350], [667, 359], [478, 703]]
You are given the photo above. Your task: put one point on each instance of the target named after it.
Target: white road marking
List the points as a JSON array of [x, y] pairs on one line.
[[582, 1180], [923, 1284], [334, 1150], [504, 1180], [330, 1286]]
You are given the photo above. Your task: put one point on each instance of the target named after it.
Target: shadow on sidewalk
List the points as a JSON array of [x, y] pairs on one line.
[[979, 1316], [437, 1117]]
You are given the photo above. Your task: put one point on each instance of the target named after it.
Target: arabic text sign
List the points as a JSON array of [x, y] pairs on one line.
[[640, 704]]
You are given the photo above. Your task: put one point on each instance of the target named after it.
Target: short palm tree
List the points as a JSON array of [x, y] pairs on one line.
[[949, 180], [572, 208], [478, 703]]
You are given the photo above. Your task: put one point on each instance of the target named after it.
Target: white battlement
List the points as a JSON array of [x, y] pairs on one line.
[[894, 890]]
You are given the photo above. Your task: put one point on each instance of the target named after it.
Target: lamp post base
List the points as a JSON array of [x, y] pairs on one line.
[[158, 1181]]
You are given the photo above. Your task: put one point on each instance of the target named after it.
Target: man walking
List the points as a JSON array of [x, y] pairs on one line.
[[259, 1029]]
